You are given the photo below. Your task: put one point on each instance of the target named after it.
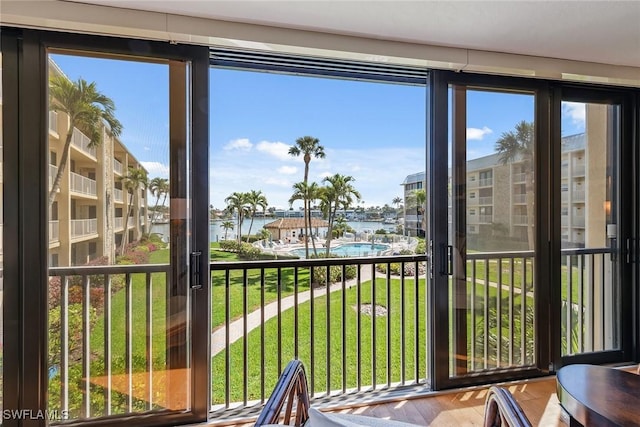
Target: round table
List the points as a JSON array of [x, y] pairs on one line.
[[599, 396]]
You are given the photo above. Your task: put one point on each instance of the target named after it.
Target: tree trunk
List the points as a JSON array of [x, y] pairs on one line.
[[250, 226], [55, 187], [125, 233]]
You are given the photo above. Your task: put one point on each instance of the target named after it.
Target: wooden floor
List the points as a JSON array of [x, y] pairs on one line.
[[466, 408]]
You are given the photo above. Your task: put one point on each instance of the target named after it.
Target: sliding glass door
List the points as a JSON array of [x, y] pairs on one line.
[[113, 192], [484, 272], [593, 261]]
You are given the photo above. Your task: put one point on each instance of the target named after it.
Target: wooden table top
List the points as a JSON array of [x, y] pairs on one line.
[[599, 396]]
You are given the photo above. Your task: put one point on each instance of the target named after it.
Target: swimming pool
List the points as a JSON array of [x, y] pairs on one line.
[[348, 250]]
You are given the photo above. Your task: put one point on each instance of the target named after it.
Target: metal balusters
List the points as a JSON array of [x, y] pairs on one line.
[[374, 354], [64, 343], [149, 338], [344, 328], [86, 346], [327, 296], [128, 333], [227, 349], [388, 284], [245, 341]]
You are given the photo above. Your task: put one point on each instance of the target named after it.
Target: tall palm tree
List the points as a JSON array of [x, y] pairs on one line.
[[396, 201], [133, 181], [227, 225], [237, 202], [339, 192], [515, 146], [87, 109], [158, 187], [307, 147], [306, 192], [417, 199], [255, 199]]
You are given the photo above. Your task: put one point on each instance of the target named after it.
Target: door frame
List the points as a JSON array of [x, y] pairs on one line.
[[437, 181], [625, 229], [26, 213]]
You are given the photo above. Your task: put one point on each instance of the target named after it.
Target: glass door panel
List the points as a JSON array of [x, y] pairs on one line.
[[491, 231], [590, 287], [119, 298]]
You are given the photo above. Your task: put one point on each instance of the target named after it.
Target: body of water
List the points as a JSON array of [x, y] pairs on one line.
[[216, 232], [351, 250]]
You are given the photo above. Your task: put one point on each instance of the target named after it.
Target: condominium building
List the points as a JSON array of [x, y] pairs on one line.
[[87, 218], [496, 201]]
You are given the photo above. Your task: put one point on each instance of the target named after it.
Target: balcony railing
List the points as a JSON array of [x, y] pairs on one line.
[[53, 121], [519, 198], [118, 195], [520, 219], [117, 166], [519, 178], [82, 184], [577, 196], [53, 171], [486, 182], [368, 332], [486, 200], [54, 231], [83, 227], [82, 142], [118, 223], [579, 170], [485, 219]]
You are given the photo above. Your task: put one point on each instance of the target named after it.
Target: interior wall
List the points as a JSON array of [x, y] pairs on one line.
[[77, 17]]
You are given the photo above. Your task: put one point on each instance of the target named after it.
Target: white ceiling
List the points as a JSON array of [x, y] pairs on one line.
[[595, 31]]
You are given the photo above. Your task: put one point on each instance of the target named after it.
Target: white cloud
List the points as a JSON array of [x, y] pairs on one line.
[[277, 149], [242, 144], [156, 169], [576, 111], [477, 134], [324, 174], [280, 182], [287, 170]]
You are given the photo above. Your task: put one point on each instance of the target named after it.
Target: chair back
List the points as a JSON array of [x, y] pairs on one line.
[[501, 409], [291, 388]]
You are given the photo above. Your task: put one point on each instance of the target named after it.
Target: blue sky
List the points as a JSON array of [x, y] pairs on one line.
[[372, 131]]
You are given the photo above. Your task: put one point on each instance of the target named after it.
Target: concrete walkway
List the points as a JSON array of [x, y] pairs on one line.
[[236, 328]]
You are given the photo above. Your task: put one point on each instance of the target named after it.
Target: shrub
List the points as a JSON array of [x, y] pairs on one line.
[[421, 248], [230, 246], [141, 248], [248, 252], [335, 274]]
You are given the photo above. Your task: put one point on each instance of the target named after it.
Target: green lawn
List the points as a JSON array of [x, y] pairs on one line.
[[334, 333]]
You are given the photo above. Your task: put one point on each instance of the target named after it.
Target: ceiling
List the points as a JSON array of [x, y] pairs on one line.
[[595, 31]]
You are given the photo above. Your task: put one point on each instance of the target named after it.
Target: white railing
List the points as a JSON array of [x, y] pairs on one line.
[[579, 170], [486, 200], [564, 220], [53, 121], [54, 231], [519, 198], [82, 184], [520, 219], [578, 195], [518, 177], [485, 219], [577, 221], [472, 183], [117, 167], [82, 142], [118, 195], [131, 222], [53, 171], [83, 227], [487, 182], [118, 223]]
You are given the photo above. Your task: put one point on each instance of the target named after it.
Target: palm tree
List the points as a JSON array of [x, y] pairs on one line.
[[307, 146], [305, 192], [87, 109], [158, 187], [133, 181], [518, 146], [396, 201], [255, 199], [227, 225], [418, 199], [237, 202], [338, 193]]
